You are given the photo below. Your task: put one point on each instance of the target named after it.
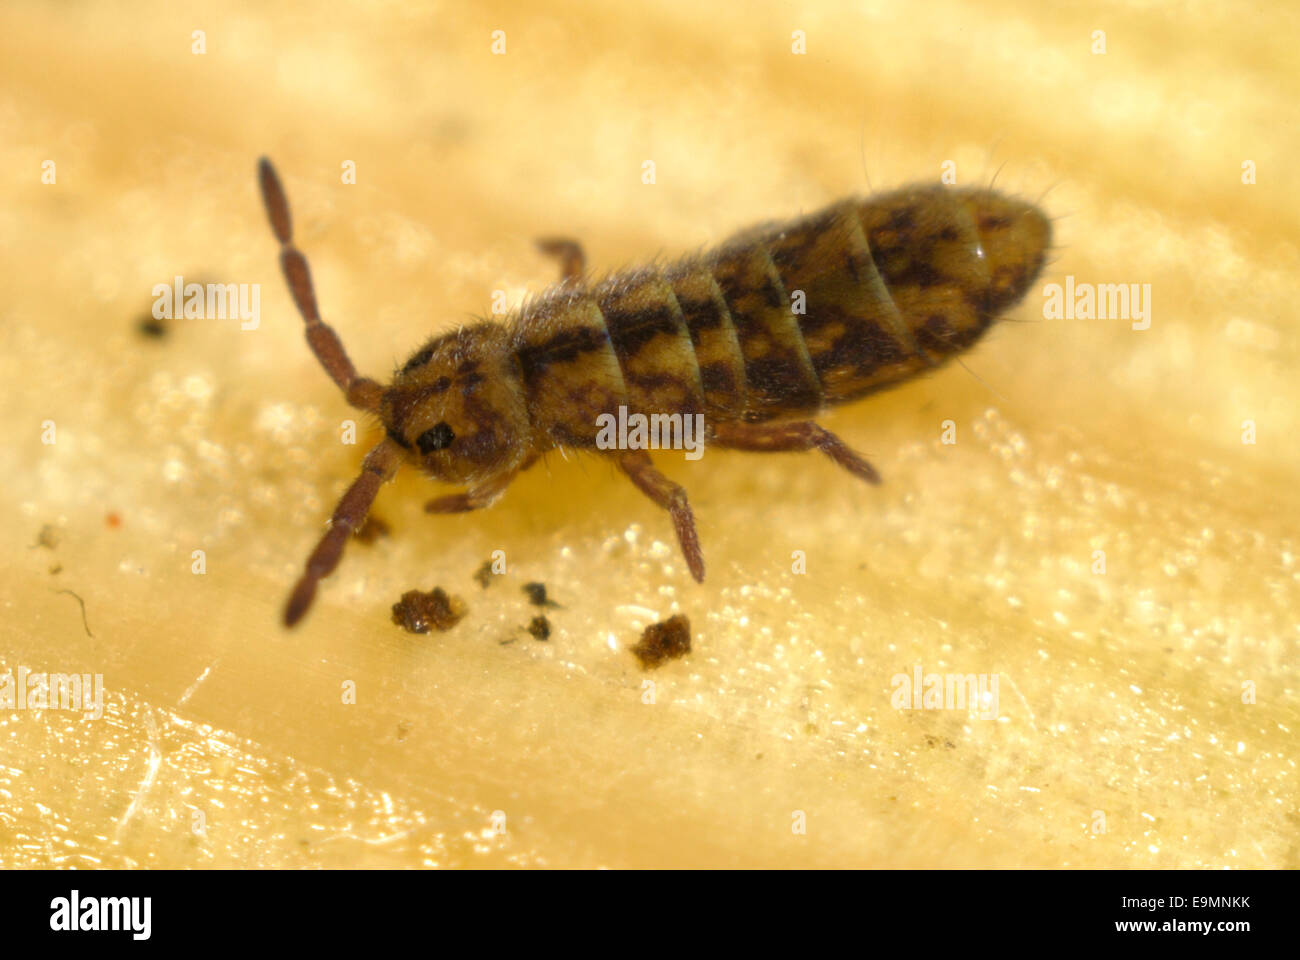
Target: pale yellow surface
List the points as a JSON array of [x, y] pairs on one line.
[[1121, 694]]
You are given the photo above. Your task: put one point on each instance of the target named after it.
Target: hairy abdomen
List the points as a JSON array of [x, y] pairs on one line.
[[785, 318]]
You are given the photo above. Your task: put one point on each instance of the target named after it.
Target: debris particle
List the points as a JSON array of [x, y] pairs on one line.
[[403, 728], [484, 574], [540, 628], [149, 326], [416, 612], [84, 622], [664, 641], [113, 520], [537, 595], [48, 538], [371, 530]]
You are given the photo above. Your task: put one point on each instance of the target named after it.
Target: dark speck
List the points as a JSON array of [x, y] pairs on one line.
[[537, 595], [151, 328]]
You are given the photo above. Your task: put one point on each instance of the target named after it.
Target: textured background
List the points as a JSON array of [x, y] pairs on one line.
[[225, 741]]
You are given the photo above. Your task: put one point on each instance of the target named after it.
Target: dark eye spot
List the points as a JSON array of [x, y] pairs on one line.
[[418, 360], [435, 438]]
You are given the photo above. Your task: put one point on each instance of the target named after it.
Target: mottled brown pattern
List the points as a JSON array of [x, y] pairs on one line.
[[924, 244], [403, 399], [713, 335], [778, 371], [891, 286], [571, 374], [652, 342], [854, 332]]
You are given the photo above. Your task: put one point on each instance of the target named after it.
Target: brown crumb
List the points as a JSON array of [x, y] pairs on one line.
[[540, 628], [371, 530], [416, 612], [664, 641], [484, 574]]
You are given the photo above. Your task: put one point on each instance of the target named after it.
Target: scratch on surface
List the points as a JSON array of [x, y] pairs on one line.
[[155, 758], [1032, 721], [635, 610], [84, 622], [195, 685], [371, 841]]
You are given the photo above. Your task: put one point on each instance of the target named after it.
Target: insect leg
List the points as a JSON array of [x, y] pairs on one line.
[[573, 262], [378, 468], [361, 392], [641, 471], [804, 435], [475, 498]]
